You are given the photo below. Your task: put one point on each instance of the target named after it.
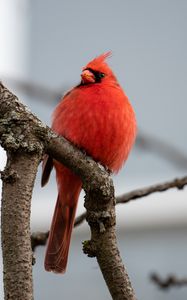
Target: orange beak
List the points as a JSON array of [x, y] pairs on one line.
[[87, 76]]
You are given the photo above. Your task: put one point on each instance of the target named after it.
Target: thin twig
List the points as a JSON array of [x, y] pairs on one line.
[[40, 238], [178, 183]]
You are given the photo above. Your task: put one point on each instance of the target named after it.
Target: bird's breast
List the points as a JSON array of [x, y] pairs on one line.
[[102, 122]]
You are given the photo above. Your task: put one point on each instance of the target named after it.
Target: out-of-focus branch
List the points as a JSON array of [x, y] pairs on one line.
[[162, 148], [35, 90], [39, 239], [168, 282]]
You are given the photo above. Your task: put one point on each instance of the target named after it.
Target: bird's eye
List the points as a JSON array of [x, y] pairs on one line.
[[98, 75]]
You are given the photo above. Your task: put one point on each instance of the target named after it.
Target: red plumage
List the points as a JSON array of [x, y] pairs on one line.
[[98, 117]]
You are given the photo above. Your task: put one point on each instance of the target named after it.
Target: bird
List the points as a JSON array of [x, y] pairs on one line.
[[96, 116]]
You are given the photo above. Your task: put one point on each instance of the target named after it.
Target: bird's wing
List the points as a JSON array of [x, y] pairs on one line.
[[47, 167]]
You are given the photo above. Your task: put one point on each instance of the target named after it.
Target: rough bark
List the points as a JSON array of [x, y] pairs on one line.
[[23, 156], [18, 179], [103, 244], [23, 136]]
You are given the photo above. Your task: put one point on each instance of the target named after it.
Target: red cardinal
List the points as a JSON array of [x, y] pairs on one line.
[[95, 116]]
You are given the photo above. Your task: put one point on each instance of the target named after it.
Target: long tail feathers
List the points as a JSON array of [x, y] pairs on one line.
[[60, 233]]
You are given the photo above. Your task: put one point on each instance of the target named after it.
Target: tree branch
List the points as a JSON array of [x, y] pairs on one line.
[[23, 156], [178, 183], [24, 134], [18, 179]]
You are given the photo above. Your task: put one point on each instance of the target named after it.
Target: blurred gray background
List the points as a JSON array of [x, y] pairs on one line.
[[44, 45]]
